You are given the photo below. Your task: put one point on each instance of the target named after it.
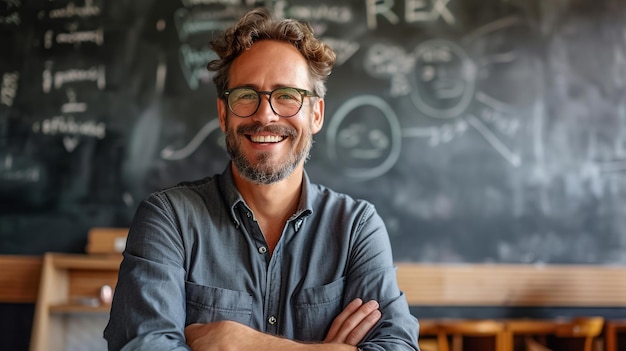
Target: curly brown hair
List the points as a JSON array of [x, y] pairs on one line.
[[257, 25]]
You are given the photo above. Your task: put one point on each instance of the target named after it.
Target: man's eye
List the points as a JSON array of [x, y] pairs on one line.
[[287, 95], [246, 96]]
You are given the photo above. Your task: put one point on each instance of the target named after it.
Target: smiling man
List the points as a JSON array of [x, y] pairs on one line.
[[258, 257]]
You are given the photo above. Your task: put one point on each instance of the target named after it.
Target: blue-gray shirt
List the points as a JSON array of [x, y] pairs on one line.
[[195, 253]]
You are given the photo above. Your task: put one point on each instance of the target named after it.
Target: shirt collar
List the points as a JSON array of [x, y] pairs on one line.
[[232, 197]]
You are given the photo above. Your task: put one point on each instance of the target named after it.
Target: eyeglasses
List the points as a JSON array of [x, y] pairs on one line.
[[285, 102]]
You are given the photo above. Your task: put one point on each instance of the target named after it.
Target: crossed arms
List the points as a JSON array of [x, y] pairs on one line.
[[346, 331]]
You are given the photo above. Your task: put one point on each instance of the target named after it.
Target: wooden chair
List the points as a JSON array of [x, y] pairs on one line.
[[534, 345], [482, 332], [431, 336], [530, 334], [585, 328], [612, 330]]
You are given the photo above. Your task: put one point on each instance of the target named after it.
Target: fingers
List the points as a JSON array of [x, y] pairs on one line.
[[363, 327], [354, 322], [338, 321]]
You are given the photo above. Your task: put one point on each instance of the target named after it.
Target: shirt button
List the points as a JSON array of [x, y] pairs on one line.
[[262, 249], [271, 320]]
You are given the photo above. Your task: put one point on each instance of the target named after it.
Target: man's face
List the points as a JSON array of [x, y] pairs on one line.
[[264, 147]]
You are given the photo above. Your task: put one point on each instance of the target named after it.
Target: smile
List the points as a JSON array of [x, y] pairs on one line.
[[266, 138]]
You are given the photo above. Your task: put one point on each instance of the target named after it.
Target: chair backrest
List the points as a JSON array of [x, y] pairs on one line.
[[480, 327], [582, 327], [472, 328], [533, 345], [432, 337]]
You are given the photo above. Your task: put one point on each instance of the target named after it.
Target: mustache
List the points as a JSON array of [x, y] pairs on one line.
[[273, 129]]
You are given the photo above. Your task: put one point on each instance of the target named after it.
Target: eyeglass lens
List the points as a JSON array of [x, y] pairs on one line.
[[285, 102]]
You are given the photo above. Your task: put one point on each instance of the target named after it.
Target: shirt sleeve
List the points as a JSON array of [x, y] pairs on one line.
[[148, 308], [372, 276]]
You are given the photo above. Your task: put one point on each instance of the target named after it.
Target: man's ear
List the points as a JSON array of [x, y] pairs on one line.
[[221, 113], [318, 115]]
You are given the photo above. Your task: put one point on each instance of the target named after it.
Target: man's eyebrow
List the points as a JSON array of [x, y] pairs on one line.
[[273, 87]]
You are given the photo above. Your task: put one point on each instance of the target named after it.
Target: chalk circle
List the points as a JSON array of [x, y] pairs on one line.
[[364, 137], [444, 79]]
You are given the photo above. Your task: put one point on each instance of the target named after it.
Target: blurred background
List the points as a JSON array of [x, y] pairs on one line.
[[485, 131]]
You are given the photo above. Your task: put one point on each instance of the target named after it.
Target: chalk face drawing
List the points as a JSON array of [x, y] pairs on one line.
[[363, 137], [448, 84], [444, 79]]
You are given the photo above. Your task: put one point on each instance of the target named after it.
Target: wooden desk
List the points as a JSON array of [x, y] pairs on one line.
[[611, 330]]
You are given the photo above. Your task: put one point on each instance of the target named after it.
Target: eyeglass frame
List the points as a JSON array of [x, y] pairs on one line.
[[303, 93]]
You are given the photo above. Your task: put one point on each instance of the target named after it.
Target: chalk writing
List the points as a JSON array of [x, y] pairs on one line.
[[73, 106], [505, 124], [67, 125], [75, 38], [71, 10], [312, 13], [390, 61], [8, 90], [378, 7], [58, 79], [423, 11], [438, 135], [197, 22], [190, 3], [11, 18], [10, 172], [193, 65], [414, 11], [11, 4], [387, 60], [344, 49]]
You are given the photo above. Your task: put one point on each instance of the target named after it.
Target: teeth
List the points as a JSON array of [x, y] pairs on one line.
[[266, 138]]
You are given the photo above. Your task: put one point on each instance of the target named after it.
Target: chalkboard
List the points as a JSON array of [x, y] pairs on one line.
[[483, 130]]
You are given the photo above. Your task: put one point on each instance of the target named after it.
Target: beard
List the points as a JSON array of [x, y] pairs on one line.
[[262, 170]]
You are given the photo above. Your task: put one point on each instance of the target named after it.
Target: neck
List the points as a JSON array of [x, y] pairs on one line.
[[272, 204]]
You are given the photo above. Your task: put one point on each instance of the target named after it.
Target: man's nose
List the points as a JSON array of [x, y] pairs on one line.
[[265, 114]]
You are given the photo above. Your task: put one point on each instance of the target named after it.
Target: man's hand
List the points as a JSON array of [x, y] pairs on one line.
[[346, 331], [353, 323], [225, 335]]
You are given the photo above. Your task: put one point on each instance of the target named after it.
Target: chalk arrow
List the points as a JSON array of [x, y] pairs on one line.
[[70, 143]]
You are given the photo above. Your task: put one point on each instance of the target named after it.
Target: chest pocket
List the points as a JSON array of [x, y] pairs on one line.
[[207, 304], [316, 308]]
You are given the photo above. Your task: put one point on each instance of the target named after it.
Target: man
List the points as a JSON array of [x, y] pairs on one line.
[[258, 258]]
